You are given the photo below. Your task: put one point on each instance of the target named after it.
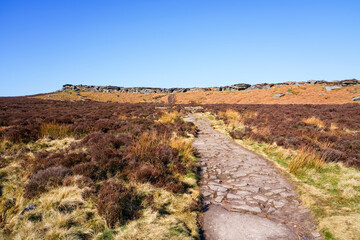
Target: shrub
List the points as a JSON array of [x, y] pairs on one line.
[[148, 174], [45, 160], [332, 155], [117, 203], [43, 180], [89, 169], [240, 134], [78, 180], [176, 187], [22, 134]]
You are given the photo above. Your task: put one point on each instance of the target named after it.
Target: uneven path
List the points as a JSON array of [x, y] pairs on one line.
[[245, 195]]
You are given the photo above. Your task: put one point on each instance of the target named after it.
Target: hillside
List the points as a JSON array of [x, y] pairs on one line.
[[320, 92]]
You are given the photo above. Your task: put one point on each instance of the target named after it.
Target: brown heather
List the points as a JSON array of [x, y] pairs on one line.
[[116, 152], [310, 127]]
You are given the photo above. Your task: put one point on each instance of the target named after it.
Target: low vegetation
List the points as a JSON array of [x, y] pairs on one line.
[[323, 161], [106, 170], [331, 131], [81, 170]]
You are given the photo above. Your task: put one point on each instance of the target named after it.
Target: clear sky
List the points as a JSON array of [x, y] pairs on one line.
[[180, 43]]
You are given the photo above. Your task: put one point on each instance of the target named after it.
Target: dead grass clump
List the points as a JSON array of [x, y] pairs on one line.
[[55, 130], [314, 121], [170, 117], [230, 114], [250, 114], [232, 118], [117, 203], [122, 117], [306, 159], [184, 147], [43, 180]]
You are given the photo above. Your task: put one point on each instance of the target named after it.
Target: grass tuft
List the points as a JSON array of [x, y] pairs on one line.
[[314, 121], [170, 117], [55, 130], [306, 159]]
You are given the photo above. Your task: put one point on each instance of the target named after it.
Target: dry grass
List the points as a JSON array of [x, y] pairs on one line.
[[306, 159], [55, 130], [310, 95], [179, 223], [234, 119], [4, 144], [49, 222], [185, 148], [346, 227], [122, 117], [314, 121], [104, 97], [170, 117], [147, 141], [49, 145]]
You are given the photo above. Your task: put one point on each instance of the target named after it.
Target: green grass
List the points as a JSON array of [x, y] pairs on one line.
[[107, 235]]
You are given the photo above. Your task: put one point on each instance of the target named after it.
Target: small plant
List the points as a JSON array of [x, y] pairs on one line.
[[306, 159], [314, 121], [43, 180], [117, 203]]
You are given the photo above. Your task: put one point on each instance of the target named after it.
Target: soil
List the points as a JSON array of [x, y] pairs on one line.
[[245, 195]]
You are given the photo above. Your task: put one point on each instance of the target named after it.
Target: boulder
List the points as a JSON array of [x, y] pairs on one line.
[[278, 95], [357, 98], [27, 208], [240, 86], [330, 88]]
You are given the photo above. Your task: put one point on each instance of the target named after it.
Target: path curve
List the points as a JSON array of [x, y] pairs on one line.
[[245, 196]]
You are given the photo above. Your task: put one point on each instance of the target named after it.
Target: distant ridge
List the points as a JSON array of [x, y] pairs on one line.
[[235, 87]]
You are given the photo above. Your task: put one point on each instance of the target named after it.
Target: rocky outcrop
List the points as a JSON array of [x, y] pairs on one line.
[[236, 87]]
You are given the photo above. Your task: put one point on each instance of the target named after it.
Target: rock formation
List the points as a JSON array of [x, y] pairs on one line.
[[235, 87]]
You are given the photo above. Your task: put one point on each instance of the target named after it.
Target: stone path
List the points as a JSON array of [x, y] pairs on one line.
[[246, 197]]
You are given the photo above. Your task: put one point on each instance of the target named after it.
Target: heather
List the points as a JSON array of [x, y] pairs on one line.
[[316, 148], [333, 131], [93, 168]]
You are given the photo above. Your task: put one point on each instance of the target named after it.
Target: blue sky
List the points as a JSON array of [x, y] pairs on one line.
[[45, 44]]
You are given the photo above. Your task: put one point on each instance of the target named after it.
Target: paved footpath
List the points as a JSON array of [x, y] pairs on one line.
[[246, 197]]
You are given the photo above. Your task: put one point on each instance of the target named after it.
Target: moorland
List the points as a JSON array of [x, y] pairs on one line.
[[98, 164]]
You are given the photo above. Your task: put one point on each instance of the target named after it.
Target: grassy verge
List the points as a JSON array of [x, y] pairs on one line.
[[330, 190]]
